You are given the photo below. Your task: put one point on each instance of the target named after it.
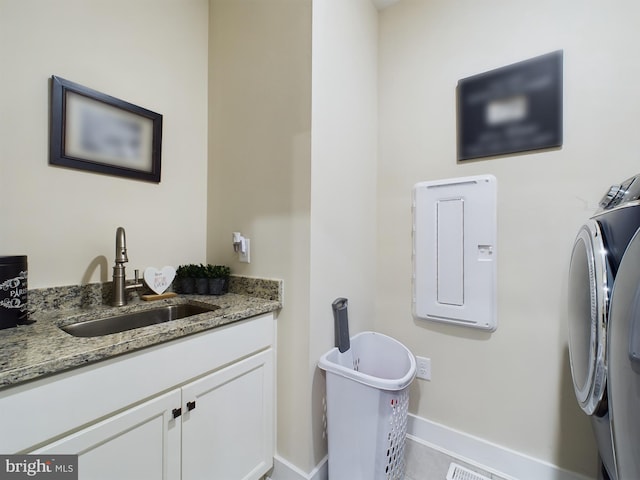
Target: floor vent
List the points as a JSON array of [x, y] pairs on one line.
[[457, 472]]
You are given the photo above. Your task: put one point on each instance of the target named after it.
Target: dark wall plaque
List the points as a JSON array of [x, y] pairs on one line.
[[511, 109]]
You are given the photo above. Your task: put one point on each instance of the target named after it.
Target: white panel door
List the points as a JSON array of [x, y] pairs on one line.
[[227, 425], [139, 443], [454, 251]]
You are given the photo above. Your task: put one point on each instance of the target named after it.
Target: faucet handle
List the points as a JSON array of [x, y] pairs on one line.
[[136, 275]]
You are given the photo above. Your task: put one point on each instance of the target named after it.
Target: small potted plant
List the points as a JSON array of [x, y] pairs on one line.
[[186, 278], [202, 280], [218, 278]]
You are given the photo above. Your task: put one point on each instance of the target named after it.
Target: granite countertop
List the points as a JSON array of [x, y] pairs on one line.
[[28, 352]]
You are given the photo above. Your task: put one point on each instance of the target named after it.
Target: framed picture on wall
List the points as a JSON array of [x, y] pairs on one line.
[[517, 108], [93, 131]]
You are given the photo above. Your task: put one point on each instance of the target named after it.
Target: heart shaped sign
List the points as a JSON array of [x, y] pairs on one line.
[[159, 280]]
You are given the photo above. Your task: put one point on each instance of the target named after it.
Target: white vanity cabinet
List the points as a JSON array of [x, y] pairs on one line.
[[228, 432], [141, 442], [194, 408]]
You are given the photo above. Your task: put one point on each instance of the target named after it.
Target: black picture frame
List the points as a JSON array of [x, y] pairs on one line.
[[93, 131], [512, 109]]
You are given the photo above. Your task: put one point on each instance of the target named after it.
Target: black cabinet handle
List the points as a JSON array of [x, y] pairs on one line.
[[191, 405], [176, 412]]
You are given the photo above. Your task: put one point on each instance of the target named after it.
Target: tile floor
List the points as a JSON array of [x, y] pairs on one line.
[[425, 463]]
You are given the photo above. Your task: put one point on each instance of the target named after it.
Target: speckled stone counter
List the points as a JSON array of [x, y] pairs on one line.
[[31, 351]]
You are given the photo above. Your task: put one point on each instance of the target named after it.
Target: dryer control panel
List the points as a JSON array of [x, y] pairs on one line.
[[617, 195]]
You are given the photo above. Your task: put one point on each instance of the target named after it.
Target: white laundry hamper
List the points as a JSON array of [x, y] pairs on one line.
[[367, 406]]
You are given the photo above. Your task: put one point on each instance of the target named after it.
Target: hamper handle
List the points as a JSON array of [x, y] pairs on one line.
[[341, 324]]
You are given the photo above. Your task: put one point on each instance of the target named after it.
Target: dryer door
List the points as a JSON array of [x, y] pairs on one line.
[[624, 363], [588, 304]]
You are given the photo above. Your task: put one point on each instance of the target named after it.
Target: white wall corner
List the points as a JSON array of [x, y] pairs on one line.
[[283, 470], [382, 4], [490, 457]]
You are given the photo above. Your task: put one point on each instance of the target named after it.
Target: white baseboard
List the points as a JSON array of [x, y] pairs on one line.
[[490, 457], [283, 470]]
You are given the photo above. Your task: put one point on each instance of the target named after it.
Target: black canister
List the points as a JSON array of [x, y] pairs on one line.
[[13, 290]]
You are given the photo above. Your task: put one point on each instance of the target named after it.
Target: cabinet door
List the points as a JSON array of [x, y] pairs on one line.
[[228, 433], [138, 443]]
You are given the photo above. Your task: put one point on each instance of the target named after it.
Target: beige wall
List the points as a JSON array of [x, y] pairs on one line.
[[294, 170], [150, 53], [343, 178], [512, 387], [259, 176]]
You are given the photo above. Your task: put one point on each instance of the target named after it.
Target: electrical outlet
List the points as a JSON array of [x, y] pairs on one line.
[[246, 256], [424, 368]]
